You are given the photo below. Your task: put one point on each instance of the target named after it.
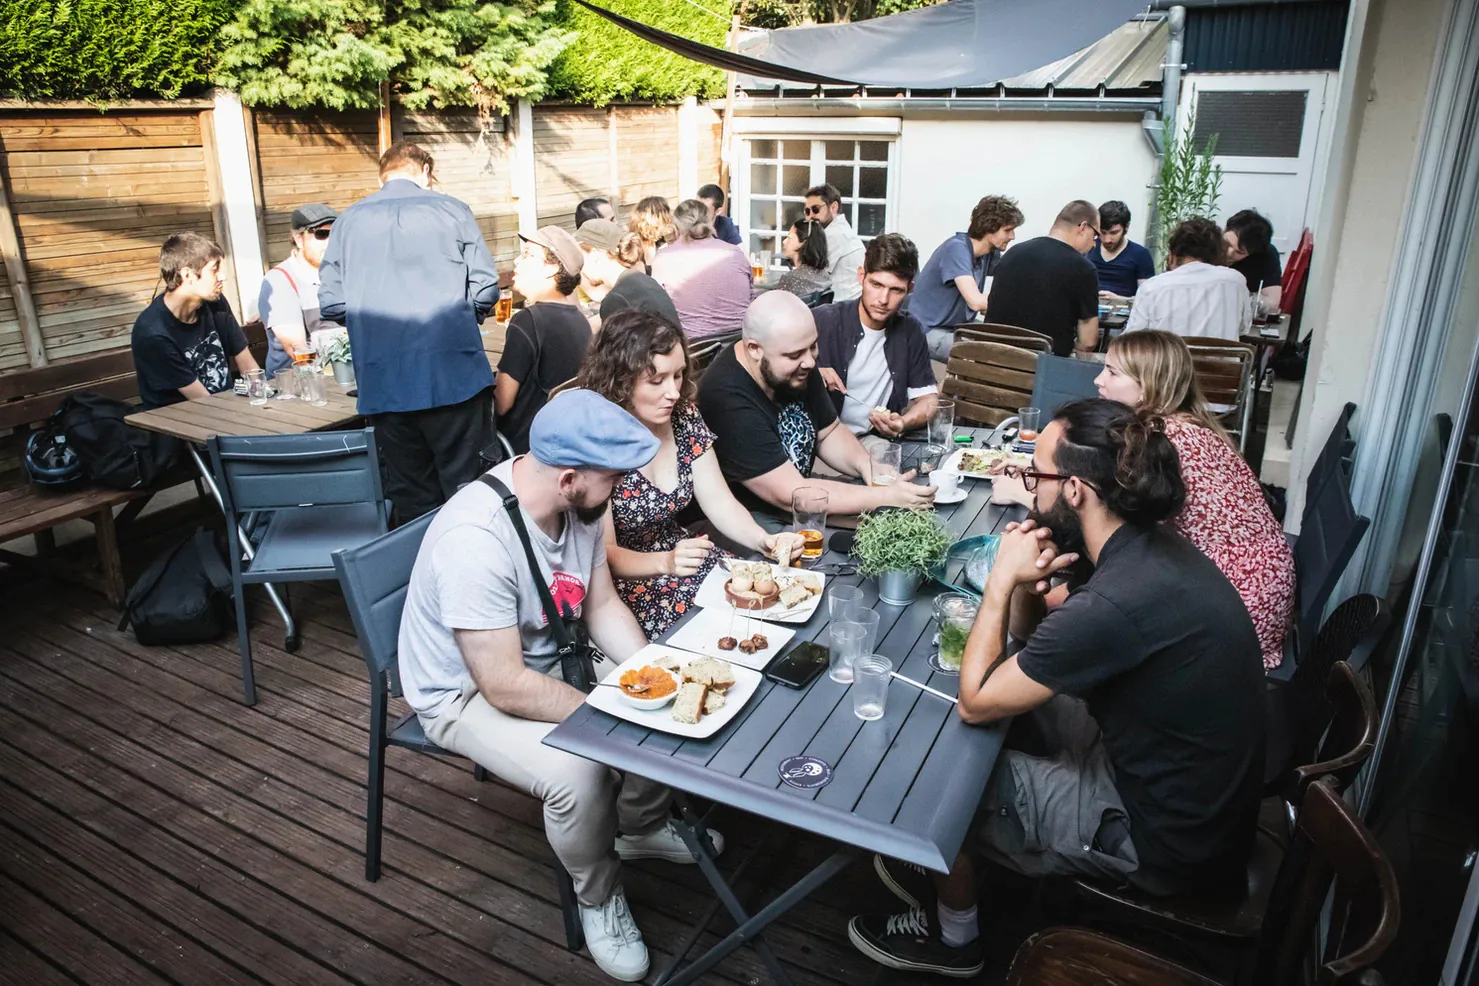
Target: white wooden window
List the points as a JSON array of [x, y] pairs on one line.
[[775, 173]]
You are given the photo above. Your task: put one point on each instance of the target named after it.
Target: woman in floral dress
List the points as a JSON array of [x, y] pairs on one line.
[[640, 361], [1225, 514]]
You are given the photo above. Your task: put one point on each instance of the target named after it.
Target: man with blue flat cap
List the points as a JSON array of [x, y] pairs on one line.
[[480, 665]]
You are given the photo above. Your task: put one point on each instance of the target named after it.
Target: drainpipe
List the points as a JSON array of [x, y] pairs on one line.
[[1162, 132]]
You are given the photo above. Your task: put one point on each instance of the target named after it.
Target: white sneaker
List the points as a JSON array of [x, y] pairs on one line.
[[613, 939], [665, 843]]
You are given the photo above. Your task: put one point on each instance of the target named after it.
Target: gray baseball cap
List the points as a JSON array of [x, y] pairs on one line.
[[601, 234], [312, 216], [560, 243]]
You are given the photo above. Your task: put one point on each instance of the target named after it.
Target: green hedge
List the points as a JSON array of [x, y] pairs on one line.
[[607, 63], [109, 49]]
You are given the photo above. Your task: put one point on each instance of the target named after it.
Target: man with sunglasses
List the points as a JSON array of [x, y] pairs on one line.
[[288, 300], [1137, 751], [1048, 285], [844, 248]]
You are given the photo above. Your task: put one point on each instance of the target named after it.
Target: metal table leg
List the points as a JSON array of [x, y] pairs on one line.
[[246, 545], [751, 928]]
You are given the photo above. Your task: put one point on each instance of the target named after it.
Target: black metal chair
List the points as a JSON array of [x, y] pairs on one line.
[[290, 500], [1328, 537], [1333, 460], [375, 577]]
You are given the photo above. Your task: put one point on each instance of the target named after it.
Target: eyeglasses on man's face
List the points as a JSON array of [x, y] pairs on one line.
[[1031, 477]]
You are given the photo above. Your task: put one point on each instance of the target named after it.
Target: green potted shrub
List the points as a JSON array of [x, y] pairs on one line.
[[898, 548], [339, 356]]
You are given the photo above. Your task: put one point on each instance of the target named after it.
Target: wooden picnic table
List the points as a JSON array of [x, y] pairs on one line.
[[229, 413], [906, 785]]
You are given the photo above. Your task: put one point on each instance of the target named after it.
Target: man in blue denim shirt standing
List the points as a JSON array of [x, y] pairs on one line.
[[407, 272]]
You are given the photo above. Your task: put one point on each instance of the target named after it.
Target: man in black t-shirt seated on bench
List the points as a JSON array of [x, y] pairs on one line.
[[1138, 750]]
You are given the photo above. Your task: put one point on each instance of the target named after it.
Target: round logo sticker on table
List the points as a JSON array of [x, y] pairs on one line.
[[806, 773], [937, 667]]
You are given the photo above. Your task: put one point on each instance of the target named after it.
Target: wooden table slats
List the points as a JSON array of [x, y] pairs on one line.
[[231, 414]]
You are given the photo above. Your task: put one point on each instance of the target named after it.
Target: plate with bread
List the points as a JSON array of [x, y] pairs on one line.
[[763, 591], [709, 692], [984, 463]]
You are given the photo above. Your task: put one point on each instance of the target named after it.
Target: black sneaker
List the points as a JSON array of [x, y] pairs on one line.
[[909, 942], [906, 881]]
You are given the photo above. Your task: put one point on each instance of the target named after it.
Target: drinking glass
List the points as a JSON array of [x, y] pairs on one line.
[[931, 459], [847, 647], [843, 603], [504, 309], [809, 519], [870, 677], [257, 386], [941, 425], [868, 620], [1027, 418], [886, 457], [955, 614], [285, 382], [311, 386]]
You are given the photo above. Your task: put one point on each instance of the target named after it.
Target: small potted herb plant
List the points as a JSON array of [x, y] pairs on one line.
[[339, 356], [898, 547]]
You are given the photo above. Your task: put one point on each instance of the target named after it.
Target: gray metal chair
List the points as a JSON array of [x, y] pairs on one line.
[[1056, 381], [290, 500], [374, 578]]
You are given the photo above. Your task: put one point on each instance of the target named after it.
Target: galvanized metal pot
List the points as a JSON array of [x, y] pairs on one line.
[[898, 588]]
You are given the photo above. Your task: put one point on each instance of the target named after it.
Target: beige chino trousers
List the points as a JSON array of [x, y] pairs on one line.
[[585, 803]]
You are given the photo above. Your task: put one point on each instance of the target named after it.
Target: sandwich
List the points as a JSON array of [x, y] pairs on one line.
[[689, 706]]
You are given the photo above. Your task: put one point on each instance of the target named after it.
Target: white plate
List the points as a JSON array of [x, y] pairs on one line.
[[945, 500], [953, 463], [711, 596], [701, 635], [609, 700]]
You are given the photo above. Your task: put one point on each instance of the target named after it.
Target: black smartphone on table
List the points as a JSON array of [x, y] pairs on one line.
[[799, 664]]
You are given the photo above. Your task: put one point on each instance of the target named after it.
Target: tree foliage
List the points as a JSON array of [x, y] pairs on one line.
[[109, 49], [772, 14], [607, 63], [1190, 184], [335, 53]]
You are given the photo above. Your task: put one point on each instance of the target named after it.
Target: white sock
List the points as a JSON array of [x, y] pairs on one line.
[[957, 928]]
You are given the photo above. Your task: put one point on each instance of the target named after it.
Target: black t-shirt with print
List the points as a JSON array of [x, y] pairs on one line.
[[754, 434], [544, 347], [1161, 647], [170, 354]]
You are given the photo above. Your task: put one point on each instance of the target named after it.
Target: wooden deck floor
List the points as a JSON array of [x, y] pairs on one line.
[[154, 830]]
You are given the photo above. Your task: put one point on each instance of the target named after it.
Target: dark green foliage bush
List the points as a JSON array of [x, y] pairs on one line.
[[607, 64], [109, 49]]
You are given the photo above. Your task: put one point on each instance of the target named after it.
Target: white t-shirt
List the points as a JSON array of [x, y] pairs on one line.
[[1195, 299], [471, 574], [868, 382], [844, 258]]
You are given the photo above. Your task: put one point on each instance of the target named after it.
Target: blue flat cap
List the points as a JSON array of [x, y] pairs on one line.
[[580, 429]]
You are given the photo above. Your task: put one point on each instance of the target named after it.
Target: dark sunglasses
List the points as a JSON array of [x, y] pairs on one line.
[[814, 210], [322, 233], [1031, 477]]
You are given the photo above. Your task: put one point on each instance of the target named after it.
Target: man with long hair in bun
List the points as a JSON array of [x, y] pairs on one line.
[[1137, 751]]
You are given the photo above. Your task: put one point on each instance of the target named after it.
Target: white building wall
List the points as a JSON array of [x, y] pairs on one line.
[[1044, 161]]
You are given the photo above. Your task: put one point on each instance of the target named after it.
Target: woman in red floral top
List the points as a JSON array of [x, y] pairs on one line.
[[639, 360], [1225, 514]]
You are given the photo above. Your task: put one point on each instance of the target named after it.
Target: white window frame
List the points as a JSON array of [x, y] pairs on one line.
[[884, 130]]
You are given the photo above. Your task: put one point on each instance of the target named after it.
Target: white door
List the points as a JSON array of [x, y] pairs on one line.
[[1272, 136]]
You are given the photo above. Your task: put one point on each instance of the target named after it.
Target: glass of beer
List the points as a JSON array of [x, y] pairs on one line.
[[886, 458], [504, 310], [1027, 418], [809, 519]]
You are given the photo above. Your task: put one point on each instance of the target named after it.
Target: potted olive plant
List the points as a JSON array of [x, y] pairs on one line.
[[339, 356], [898, 548]]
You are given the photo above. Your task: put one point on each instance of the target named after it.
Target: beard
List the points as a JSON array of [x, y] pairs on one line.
[[1068, 531], [588, 514], [785, 388]]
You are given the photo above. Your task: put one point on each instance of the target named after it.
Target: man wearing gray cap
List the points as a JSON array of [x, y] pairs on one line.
[[480, 665], [288, 301], [610, 275], [547, 338]]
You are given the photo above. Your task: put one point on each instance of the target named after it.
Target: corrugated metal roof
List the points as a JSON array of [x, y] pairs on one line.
[[1129, 57], [1293, 37]]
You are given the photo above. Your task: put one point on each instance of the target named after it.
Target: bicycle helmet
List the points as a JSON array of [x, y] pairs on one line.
[[50, 461]]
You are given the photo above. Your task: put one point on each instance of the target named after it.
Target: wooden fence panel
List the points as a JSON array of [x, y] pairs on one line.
[[572, 160], [93, 196], [474, 162], [12, 344], [647, 152], [710, 132], [305, 157]]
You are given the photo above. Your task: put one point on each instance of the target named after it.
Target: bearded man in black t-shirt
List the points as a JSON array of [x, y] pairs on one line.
[[1137, 755]]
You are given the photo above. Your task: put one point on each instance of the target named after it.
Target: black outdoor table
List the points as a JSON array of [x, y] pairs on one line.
[[906, 785]]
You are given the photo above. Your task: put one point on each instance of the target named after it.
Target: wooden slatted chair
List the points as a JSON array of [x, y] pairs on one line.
[[989, 381], [1011, 335], [1224, 371]]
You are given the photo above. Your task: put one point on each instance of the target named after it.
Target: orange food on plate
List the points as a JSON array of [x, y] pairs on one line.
[[658, 682]]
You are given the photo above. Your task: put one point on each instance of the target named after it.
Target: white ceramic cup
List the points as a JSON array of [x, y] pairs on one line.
[[945, 481]]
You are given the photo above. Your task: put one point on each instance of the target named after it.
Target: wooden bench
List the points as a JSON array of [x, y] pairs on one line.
[[27, 398]]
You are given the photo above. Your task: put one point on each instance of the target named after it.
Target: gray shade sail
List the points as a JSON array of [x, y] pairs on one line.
[[964, 44]]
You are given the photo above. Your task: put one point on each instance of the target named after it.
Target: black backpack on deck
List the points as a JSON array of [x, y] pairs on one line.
[[184, 596], [113, 453]]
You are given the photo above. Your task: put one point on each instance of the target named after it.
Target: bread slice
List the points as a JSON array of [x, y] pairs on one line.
[[794, 595], [783, 554], [710, 672], [713, 701], [688, 707]]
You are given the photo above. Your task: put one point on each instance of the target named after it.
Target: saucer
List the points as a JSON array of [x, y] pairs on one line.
[[956, 497]]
